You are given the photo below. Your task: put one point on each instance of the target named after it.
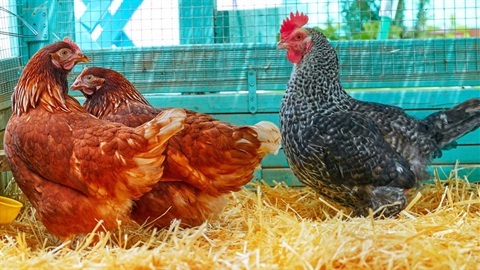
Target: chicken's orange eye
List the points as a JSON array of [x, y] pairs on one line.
[[298, 37]]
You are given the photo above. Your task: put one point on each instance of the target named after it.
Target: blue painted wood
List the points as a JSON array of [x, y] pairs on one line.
[[94, 12], [467, 154], [54, 13], [408, 99], [97, 14], [113, 25], [462, 171], [38, 20], [243, 26], [384, 27], [196, 21], [364, 64], [11, 68]]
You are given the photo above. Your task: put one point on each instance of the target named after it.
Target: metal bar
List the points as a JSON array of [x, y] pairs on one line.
[[38, 18], [387, 12], [35, 33], [384, 28], [252, 91]]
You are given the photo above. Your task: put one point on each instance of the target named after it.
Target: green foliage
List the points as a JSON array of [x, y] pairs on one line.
[[461, 31], [421, 22], [330, 31], [370, 30], [396, 32], [362, 21], [357, 14]]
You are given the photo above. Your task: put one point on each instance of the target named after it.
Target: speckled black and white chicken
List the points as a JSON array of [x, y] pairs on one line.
[[359, 154]]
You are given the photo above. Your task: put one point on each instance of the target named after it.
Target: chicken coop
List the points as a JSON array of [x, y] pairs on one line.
[[223, 58], [219, 56]]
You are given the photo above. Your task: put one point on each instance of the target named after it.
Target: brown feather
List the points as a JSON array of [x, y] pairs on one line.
[[209, 158]]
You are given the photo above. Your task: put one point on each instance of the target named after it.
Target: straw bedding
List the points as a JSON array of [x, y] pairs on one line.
[[272, 227]]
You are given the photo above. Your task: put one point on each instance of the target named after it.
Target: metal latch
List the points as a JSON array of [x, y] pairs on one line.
[[252, 91], [37, 18]]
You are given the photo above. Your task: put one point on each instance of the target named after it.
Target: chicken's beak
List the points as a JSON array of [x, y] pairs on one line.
[[77, 85], [281, 46], [81, 58]]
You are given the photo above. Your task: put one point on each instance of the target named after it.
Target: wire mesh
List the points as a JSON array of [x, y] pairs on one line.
[[10, 50], [207, 45], [186, 46], [107, 23]]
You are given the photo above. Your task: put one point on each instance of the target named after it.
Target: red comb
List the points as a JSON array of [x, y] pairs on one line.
[[295, 21], [71, 43]]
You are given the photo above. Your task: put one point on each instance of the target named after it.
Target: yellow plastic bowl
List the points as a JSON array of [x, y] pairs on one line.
[[9, 209]]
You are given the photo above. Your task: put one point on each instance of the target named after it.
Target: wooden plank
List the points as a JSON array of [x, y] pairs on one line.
[[398, 63], [415, 99], [463, 171], [192, 68], [223, 67], [56, 12], [469, 154], [112, 25], [269, 101], [462, 153], [363, 64]]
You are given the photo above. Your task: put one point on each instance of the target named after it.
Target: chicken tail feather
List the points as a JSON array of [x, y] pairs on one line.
[[157, 131], [453, 123], [164, 125], [269, 136]]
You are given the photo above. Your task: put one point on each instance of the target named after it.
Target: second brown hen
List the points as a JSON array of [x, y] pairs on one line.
[[214, 157]]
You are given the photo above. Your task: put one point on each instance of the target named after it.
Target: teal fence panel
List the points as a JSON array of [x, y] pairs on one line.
[[203, 55], [10, 49]]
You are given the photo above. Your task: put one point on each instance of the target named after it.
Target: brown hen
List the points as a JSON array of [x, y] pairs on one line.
[[213, 157], [74, 168]]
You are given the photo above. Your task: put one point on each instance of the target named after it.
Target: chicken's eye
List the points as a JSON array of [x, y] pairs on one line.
[[89, 77], [298, 37], [64, 52]]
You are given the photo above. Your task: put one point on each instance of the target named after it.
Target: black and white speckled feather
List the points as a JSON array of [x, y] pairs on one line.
[[359, 154]]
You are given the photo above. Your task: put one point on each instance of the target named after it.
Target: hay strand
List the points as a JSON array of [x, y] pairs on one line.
[[272, 227]]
